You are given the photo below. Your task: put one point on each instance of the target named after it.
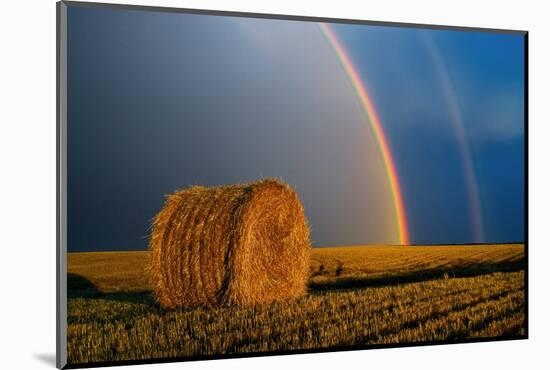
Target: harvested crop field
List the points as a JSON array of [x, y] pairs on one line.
[[357, 296]]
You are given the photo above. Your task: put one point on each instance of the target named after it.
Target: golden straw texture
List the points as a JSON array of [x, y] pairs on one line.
[[230, 245]]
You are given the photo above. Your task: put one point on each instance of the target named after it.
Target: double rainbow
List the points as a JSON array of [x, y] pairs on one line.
[[376, 126]]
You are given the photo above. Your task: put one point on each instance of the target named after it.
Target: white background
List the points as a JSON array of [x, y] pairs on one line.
[[27, 182]]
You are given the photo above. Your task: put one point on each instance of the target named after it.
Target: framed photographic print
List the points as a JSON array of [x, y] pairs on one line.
[[235, 184]]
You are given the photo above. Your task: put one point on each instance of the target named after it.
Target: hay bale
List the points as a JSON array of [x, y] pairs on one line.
[[230, 245]]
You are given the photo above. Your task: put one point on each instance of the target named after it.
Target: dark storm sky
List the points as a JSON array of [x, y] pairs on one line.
[[160, 101]]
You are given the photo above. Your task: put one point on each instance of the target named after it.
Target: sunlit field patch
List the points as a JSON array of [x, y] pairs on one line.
[[357, 296]]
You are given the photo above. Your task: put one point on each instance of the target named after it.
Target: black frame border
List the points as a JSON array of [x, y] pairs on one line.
[[61, 318]]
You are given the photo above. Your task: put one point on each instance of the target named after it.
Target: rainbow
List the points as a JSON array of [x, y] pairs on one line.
[[376, 126], [476, 215]]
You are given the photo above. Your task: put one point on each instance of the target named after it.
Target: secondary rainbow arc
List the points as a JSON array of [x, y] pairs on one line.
[[377, 129], [470, 179]]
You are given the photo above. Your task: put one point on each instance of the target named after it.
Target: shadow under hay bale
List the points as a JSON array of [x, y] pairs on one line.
[[230, 245]]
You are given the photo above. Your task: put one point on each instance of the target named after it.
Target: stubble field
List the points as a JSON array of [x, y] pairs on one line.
[[357, 296]]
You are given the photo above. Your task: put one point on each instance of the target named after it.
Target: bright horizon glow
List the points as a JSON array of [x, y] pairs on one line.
[[376, 126]]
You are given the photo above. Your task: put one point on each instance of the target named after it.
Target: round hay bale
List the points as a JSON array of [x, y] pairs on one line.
[[230, 245]]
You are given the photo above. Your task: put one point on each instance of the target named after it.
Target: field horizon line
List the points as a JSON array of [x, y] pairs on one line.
[[331, 246]]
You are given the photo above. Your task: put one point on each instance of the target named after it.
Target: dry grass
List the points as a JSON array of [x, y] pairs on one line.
[[110, 272], [235, 245], [380, 265], [352, 301]]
